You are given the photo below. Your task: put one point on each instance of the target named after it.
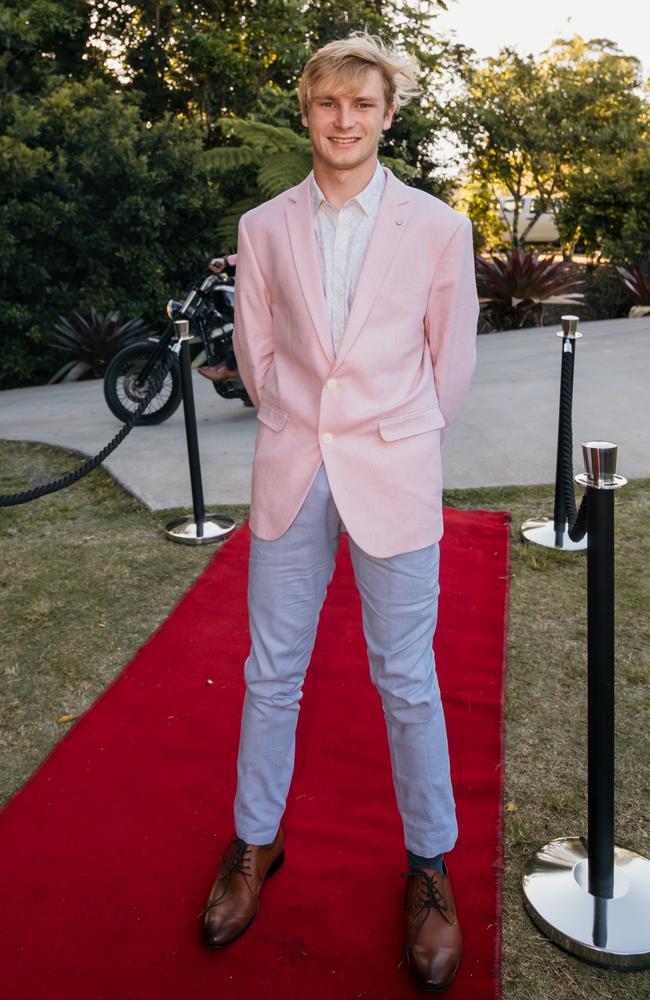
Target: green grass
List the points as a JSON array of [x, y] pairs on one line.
[[88, 575]]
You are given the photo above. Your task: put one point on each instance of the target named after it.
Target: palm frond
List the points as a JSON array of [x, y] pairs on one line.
[[263, 135], [405, 171], [59, 375], [226, 230], [229, 157], [637, 282], [282, 171]]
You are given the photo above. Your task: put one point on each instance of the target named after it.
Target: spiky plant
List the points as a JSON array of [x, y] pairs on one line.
[[514, 287], [93, 342], [637, 282], [283, 159]]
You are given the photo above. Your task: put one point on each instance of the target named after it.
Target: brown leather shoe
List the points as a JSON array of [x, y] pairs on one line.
[[234, 896], [216, 373], [434, 942]]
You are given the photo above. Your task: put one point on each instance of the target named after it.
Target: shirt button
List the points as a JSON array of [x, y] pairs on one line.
[[327, 437], [331, 383]]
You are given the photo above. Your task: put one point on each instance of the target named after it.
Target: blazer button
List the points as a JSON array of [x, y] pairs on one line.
[[328, 438], [331, 383]]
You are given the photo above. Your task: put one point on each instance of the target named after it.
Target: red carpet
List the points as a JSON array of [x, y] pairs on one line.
[[108, 852]]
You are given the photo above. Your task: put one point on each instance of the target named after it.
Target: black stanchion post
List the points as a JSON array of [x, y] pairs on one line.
[[191, 433], [202, 527], [593, 898], [543, 531], [569, 336], [600, 690]]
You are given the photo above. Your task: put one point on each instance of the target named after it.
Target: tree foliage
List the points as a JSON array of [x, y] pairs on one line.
[[133, 136], [40, 40], [223, 57], [607, 205], [101, 209], [539, 125]]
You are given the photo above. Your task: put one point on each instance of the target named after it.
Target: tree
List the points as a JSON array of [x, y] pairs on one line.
[[528, 125], [197, 59], [110, 130], [607, 206], [102, 210], [42, 40], [216, 57]]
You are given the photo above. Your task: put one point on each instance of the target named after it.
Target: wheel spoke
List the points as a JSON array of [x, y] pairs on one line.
[[131, 395]]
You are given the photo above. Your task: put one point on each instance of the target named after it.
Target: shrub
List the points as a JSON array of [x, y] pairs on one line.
[[606, 297], [104, 209]]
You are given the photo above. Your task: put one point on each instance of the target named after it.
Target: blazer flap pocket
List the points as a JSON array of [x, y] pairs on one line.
[[429, 419], [271, 416]]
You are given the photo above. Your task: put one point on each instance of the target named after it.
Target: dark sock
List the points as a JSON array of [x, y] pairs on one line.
[[415, 861]]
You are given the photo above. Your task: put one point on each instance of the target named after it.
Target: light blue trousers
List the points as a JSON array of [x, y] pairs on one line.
[[287, 584]]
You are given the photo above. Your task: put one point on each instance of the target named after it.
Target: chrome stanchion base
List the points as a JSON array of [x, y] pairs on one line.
[[184, 529], [541, 531], [609, 932]]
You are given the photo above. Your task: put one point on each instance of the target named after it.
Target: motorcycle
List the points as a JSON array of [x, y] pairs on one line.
[[209, 306]]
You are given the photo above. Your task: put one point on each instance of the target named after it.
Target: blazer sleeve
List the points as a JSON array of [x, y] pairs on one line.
[[253, 325], [451, 322]]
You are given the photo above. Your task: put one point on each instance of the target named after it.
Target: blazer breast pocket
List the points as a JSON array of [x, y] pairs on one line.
[[271, 416], [407, 424]]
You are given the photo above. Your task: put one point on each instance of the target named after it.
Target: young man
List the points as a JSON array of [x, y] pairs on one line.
[[355, 328]]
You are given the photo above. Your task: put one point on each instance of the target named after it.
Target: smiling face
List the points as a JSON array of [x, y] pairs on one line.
[[345, 127]]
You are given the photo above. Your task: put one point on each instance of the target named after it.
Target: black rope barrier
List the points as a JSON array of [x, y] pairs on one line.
[[157, 378]]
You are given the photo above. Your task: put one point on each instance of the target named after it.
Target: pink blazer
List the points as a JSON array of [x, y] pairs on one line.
[[376, 413]]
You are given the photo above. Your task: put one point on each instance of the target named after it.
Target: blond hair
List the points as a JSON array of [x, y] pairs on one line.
[[348, 59]]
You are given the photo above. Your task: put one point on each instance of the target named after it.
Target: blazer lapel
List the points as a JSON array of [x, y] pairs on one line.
[[385, 238], [300, 222]]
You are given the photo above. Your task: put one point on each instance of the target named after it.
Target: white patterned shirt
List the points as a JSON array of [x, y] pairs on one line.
[[342, 236]]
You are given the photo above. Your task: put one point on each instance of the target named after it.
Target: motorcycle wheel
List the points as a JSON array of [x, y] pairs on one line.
[[123, 395]]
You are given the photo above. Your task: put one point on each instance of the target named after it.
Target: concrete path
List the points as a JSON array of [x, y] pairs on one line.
[[506, 433]]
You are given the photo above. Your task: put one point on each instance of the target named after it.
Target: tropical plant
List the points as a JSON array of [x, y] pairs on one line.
[[514, 286], [281, 157], [93, 342], [638, 284]]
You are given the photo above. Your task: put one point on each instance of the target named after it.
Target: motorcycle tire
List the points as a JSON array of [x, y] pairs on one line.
[[123, 396]]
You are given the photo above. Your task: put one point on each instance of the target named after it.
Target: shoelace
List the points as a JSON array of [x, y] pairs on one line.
[[429, 898], [236, 858]]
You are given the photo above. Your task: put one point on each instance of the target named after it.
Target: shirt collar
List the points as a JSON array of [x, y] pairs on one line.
[[368, 199]]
